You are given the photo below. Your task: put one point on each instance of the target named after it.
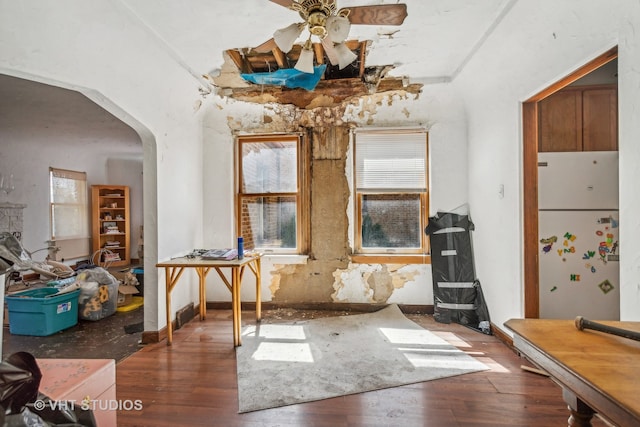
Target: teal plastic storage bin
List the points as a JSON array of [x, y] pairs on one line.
[[41, 312]]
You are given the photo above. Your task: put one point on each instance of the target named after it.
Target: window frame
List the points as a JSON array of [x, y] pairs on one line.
[[384, 254], [83, 215], [301, 195]]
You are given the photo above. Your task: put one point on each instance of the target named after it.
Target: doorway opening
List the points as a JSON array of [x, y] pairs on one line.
[[531, 138]]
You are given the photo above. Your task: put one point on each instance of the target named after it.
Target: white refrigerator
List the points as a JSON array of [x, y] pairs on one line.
[[578, 226]]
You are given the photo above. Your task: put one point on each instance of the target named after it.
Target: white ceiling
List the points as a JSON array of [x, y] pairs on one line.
[[32, 111], [433, 43]]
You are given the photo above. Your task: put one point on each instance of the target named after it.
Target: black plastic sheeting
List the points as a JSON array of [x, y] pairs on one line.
[[24, 406], [457, 292]]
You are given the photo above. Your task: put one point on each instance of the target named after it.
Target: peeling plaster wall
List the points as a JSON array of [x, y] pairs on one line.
[[326, 274], [329, 223], [372, 283]]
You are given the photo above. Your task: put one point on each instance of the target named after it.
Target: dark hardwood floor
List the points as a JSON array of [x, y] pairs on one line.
[[193, 383], [108, 338]]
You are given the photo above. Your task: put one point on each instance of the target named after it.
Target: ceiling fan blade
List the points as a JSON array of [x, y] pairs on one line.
[[384, 14], [285, 3], [267, 46]]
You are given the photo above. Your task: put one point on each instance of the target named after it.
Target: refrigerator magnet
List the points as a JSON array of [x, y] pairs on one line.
[[606, 286]]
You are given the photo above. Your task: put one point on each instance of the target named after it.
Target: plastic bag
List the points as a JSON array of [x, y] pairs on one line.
[[19, 381], [24, 406], [98, 294], [457, 294], [47, 413], [289, 77]]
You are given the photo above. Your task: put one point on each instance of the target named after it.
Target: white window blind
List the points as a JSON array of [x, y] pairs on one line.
[[69, 204], [391, 161]]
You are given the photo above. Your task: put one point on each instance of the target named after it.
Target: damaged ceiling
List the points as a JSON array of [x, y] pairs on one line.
[[337, 85], [215, 41], [330, 91]]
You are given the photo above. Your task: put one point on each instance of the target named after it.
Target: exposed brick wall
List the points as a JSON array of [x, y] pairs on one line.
[[399, 225], [269, 216]]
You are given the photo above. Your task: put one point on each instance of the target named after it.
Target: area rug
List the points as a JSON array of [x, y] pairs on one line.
[[285, 364]]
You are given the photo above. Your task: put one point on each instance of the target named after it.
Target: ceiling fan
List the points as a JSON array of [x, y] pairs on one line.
[[323, 19]]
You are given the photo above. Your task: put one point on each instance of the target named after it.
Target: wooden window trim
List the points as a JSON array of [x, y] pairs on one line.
[[301, 195], [75, 176], [391, 259], [403, 255]]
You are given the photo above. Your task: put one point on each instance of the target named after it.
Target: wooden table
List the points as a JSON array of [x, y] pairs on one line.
[[598, 372], [175, 267]]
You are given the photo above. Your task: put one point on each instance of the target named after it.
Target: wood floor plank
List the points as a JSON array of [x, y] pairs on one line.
[[193, 382]]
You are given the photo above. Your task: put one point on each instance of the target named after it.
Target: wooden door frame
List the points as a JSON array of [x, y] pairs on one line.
[[530, 179]]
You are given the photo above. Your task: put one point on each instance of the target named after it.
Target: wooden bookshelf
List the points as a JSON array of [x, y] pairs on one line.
[[111, 230]]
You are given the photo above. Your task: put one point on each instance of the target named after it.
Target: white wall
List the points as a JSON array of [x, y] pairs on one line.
[[629, 131], [95, 48], [29, 160], [537, 43]]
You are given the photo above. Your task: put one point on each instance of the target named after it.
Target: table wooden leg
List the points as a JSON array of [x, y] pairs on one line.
[[255, 268], [258, 291], [172, 274], [237, 306], [203, 298], [581, 413], [167, 273], [202, 291]]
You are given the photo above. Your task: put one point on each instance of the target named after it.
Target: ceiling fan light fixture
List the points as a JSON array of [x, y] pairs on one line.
[[338, 28], [305, 61], [330, 51], [317, 23], [286, 37], [345, 55]]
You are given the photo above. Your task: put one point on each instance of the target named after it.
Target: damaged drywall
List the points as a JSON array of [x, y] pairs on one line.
[[329, 249], [376, 283], [327, 93], [327, 274]]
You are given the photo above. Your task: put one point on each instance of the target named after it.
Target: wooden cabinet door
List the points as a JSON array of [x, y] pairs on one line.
[[600, 120], [561, 122]]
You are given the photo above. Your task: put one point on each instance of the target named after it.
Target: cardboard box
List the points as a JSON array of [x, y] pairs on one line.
[[125, 294]]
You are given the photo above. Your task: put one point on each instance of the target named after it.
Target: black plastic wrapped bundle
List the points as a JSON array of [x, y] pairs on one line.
[[457, 293], [22, 405]]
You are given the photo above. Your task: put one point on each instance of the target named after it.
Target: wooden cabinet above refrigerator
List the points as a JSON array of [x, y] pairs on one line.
[[581, 118]]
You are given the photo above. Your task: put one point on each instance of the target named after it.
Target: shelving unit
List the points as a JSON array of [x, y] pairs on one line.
[[111, 235]]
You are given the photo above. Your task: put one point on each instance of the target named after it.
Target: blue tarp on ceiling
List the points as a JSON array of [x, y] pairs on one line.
[[289, 77]]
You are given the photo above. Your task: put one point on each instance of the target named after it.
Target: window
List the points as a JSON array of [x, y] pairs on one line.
[[69, 205], [272, 189], [391, 192]]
